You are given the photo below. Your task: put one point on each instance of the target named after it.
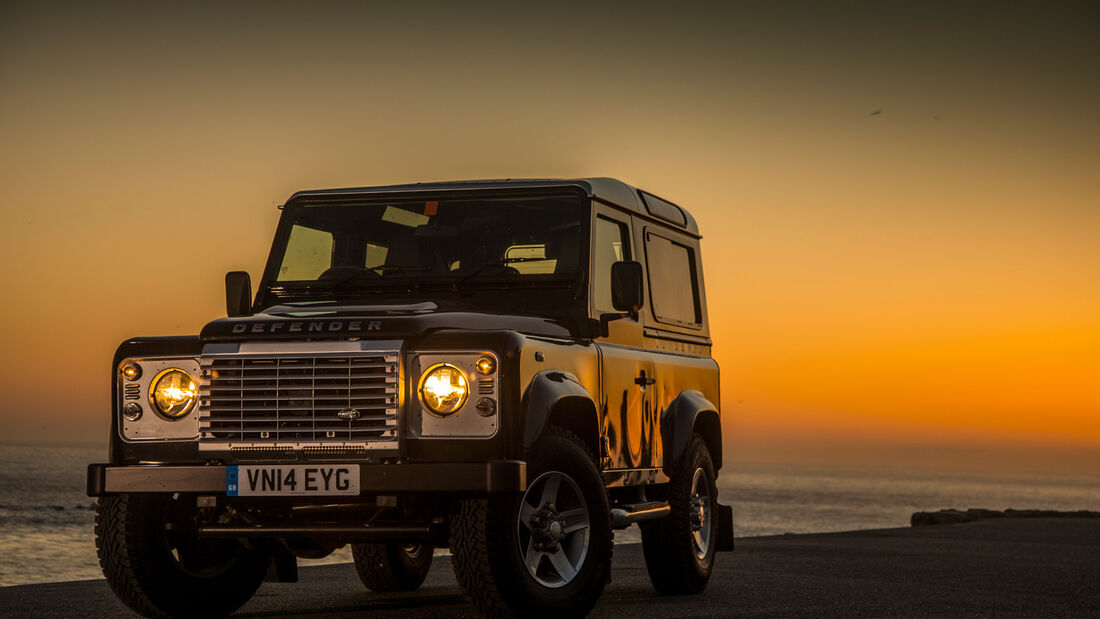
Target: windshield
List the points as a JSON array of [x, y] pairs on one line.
[[526, 251]]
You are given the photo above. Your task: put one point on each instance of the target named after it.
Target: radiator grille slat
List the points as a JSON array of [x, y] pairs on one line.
[[304, 378], [317, 419], [306, 401], [289, 385], [294, 402]]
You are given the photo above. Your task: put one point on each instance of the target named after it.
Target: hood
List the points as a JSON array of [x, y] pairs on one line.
[[327, 322]]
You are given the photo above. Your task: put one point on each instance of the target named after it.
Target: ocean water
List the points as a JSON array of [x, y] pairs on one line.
[[771, 499], [46, 521]]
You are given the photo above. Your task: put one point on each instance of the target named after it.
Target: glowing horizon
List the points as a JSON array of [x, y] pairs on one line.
[[899, 210]]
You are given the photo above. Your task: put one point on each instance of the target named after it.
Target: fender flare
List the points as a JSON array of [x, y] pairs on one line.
[[678, 422], [547, 391]]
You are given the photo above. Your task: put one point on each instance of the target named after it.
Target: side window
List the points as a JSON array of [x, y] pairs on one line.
[[375, 256], [612, 244], [308, 254], [530, 259], [672, 281]]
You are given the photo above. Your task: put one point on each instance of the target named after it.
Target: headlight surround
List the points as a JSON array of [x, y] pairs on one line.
[[173, 393], [443, 389]]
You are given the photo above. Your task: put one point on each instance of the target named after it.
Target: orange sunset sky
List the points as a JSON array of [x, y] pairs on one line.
[[900, 205]]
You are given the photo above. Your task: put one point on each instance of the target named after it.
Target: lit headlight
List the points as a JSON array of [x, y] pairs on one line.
[[443, 389], [173, 393]]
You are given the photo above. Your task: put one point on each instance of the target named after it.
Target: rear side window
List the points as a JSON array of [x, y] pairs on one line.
[[375, 256], [673, 288], [530, 259]]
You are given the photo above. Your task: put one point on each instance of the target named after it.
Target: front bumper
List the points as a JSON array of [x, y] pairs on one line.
[[465, 477]]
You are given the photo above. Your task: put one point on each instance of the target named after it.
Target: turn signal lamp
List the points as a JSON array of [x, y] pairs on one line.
[[443, 389], [486, 365], [173, 393], [131, 371]]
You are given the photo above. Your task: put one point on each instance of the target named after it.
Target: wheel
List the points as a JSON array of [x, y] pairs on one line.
[[679, 550], [545, 553], [157, 566], [392, 566]]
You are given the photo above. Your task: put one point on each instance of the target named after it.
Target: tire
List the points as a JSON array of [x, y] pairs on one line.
[[392, 566], [162, 571], [679, 550], [567, 544]]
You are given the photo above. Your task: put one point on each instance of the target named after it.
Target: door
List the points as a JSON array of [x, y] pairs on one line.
[[627, 384]]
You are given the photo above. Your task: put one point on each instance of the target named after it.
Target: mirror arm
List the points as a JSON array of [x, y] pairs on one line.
[[608, 317]]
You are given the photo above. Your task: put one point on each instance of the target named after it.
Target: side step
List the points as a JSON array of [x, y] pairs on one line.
[[622, 516]]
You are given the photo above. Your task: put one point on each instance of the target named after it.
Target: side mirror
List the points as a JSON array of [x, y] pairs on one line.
[[626, 294], [626, 286], [238, 293]]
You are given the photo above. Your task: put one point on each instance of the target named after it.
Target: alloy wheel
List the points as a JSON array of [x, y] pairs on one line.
[[553, 528], [702, 516]]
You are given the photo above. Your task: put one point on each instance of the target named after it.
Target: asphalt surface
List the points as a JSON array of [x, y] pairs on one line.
[[993, 568]]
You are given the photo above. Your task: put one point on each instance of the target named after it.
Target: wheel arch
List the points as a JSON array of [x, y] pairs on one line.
[[690, 412], [559, 399]]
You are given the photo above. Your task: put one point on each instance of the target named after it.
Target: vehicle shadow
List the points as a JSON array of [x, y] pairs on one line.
[[414, 604]]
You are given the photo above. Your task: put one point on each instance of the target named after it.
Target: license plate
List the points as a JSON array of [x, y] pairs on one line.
[[291, 479]]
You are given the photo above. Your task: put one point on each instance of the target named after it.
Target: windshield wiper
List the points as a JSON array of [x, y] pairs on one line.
[[374, 275], [502, 263]]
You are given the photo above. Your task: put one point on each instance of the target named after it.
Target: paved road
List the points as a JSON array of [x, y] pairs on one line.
[[1025, 567]]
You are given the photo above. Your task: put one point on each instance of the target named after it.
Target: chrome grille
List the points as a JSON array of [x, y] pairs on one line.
[[299, 402]]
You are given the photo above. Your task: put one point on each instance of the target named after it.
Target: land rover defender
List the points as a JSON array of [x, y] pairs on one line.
[[508, 369]]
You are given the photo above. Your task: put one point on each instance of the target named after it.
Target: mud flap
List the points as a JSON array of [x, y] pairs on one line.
[[725, 527], [284, 566]]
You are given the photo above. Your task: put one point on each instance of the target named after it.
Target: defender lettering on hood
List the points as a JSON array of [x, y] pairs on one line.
[[308, 326]]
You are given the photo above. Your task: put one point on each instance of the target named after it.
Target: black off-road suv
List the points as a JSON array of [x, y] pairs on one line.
[[509, 369]]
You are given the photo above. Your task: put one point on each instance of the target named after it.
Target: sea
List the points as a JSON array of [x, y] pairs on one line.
[[46, 521]]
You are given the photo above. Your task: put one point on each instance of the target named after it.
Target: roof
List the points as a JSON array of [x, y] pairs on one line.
[[608, 190]]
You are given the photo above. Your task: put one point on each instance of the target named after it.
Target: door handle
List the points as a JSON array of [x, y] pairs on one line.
[[643, 380]]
